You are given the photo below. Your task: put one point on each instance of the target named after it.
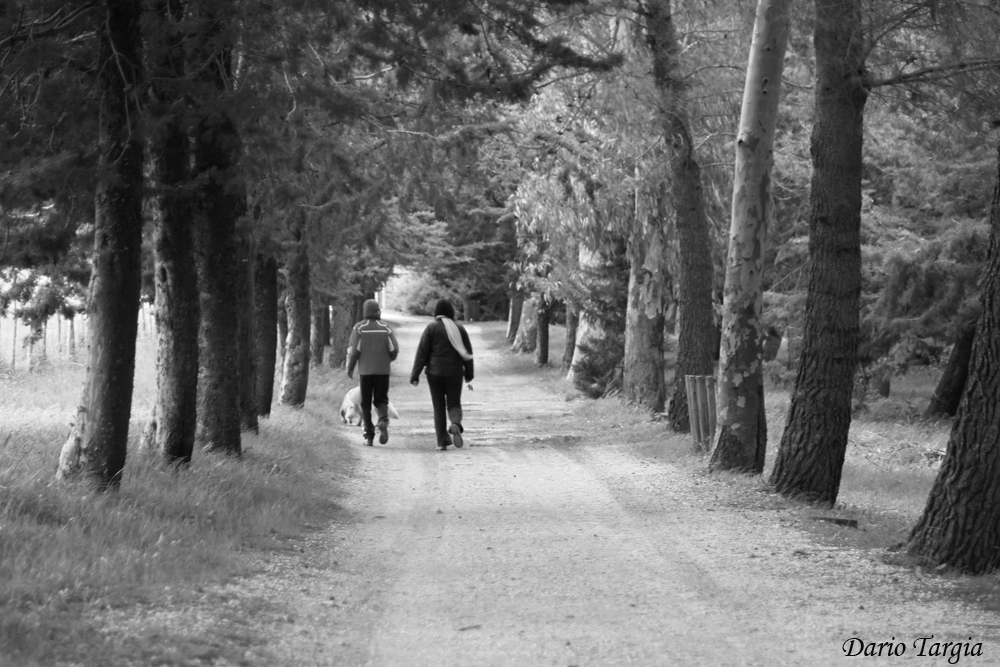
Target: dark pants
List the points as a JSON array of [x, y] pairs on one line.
[[374, 391], [446, 395]]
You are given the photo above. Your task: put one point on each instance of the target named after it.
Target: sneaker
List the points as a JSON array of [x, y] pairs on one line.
[[369, 442], [456, 435], [441, 448], [383, 431]]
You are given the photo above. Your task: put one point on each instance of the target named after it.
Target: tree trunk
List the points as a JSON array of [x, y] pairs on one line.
[[221, 203], [527, 331], [266, 317], [514, 316], [572, 319], [171, 430], [248, 332], [741, 439], [318, 332], [588, 327], [340, 332], [695, 355], [96, 446], [295, 373], [944, 402], [542, 328], [811, 454], [960, 525], [643, 379], [282, 325]]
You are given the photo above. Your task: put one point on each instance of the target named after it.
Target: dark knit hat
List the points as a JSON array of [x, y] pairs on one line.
[[371, 309], [445, 308]]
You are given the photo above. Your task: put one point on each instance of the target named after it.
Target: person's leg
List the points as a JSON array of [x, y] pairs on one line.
[[437, 389], [380, 399], [453, 397], [367, 388]]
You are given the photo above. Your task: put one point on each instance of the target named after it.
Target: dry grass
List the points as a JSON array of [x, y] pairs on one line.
[[65, 550]]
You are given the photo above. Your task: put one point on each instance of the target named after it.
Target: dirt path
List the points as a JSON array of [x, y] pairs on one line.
[[531, 546]]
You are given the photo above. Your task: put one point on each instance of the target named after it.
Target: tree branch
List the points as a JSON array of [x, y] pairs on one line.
[[934, 73]]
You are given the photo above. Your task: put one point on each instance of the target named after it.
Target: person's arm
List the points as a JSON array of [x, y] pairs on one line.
[[420, 360], [469, 366], [393, 346], [352, 353]]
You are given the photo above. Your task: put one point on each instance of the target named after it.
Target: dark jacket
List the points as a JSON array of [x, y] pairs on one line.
[[373, 344], [439, 357]]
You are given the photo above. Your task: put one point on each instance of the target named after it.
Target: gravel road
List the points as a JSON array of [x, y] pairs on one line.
[[534, 545]]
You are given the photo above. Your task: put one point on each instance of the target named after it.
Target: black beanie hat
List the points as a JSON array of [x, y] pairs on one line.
[[445, 308], [371, 309]]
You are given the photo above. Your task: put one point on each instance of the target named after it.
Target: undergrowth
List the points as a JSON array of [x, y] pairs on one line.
[[66, 550]]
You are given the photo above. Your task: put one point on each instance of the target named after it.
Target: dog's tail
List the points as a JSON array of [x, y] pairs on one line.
[[392, 412]]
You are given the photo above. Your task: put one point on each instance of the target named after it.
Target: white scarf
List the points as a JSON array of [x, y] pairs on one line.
[[455, 337]]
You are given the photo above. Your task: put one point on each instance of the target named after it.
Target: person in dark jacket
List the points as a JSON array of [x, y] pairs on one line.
[[373, 348], [446, 353]]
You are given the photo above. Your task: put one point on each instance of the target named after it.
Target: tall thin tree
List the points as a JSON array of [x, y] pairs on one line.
[[741, 440]]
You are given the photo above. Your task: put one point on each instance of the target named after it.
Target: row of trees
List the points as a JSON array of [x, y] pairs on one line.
[[851, 315], [318, 144]]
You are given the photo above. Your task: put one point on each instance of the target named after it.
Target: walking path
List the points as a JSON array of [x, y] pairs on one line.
[[534, 546]]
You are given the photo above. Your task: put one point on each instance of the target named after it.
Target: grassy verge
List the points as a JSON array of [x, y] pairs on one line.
[[66, 551]]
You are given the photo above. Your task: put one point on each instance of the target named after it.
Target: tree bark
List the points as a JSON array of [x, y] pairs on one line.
[[741, 439], [811, 454], [282, 325], [266, 318], [948, 393], [171, 430], [320, 328], [340, 332], [248, 332], [542, 328], [572, 320], [643, 381], [96, 447], [514, 316], [527, 331], [588, 327], [220, 204], [695, 355], [960, 525], [295, 373]]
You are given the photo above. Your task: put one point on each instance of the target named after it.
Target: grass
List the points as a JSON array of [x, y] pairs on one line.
[[65, 550]]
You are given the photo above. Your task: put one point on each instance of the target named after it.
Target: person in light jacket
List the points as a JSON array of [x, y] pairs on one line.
[[446, 353], [373, 348]]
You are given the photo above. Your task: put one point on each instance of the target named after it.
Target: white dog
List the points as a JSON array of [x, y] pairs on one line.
[[350, 408]]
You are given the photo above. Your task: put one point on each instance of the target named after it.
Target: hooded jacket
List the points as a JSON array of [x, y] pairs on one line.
[[373, 345]]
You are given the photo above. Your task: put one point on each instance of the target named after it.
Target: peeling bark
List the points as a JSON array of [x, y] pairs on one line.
[[295, 372], [811, 454], [741, 439], [643, 380]]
